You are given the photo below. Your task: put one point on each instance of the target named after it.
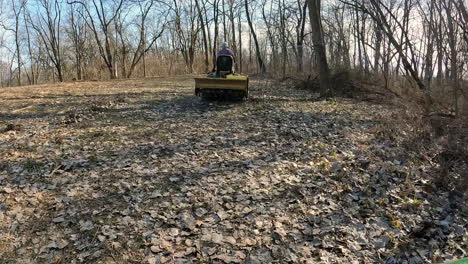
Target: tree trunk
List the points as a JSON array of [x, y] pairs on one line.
[[378, 46], [30, 51], [271, 37], [208, 31], [358, 40], [252, 31], [17, 13], [452, 40], [216, 32], [205, 41], [430, 47], [440, 47], [363, 44], [233, 31], [284, 48], [239, 56], [300, 31], [319, 46], [225, 37]]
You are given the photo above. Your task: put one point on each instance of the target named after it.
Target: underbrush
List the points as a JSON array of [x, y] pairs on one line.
[[438, 139], [438, 142], [343, 83]]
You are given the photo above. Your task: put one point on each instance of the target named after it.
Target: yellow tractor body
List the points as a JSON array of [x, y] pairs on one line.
[[232, 86]]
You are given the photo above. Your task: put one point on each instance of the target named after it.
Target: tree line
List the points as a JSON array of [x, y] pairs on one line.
[[424, 41]]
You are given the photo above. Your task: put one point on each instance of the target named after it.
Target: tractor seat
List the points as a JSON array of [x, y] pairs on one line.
[[224, 65]]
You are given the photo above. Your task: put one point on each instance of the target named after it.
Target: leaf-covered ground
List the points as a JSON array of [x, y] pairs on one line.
[[141, 171]]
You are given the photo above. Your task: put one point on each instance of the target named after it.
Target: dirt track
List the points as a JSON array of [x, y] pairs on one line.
[[142, 171]]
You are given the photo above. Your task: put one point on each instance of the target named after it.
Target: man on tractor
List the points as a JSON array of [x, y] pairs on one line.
[[225, 51], [224, 62], [222, 81]]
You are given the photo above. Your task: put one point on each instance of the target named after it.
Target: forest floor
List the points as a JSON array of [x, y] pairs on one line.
[[142, 171]]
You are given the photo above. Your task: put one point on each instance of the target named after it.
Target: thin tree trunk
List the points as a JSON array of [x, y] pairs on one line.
[[240, 43], [252, 31], [440, 52], [284, 50], [300, 36], [250, 50], [271, 37], [430, 47], [144, 55], [452, 40], [358, 36], [363, 45], [225, 37], [233, 28], [216, 31], [378, 46], [17, 13], [31, 57], [205, 41], [208, 31]]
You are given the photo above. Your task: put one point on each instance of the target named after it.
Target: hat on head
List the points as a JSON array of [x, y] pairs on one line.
[[224, 45]]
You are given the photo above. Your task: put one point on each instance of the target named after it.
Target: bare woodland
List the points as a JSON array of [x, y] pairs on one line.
[[352, 148], [422, 43]]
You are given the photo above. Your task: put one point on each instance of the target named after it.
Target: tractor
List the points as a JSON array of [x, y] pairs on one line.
[[223, 83]]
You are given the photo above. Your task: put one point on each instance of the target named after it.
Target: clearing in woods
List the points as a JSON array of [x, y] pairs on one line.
[[142, 171]]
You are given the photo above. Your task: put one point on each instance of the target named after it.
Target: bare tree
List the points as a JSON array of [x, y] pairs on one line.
[[186, 29], [77, 33], [99, 18], [319, 46], [464, 15], [205, 39], [225, 31], [233, 30], [240, 53], [48, 27], [144, 45], [300, 32], [216, 30], [283, 36], [376, 10], [378, 47], [34, 68], [272, 33], [255, 39], [16, 8], [357, 35], [452, 41], [337, 39]]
